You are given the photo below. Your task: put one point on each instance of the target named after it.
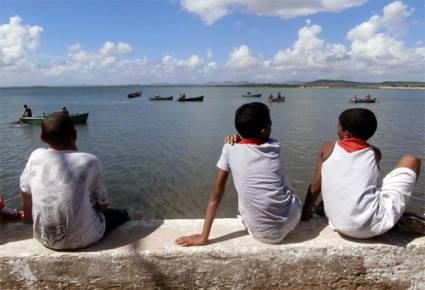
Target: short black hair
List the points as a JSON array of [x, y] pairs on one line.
[[251, 118], [361, 123], [57, 129]]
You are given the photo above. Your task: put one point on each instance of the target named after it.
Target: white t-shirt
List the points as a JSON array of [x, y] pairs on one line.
[[65, 185], [266, 201]]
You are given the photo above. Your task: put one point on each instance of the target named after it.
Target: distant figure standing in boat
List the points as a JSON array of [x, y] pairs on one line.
[[65, 111], [27, 112], [270, 97], [279, 96]]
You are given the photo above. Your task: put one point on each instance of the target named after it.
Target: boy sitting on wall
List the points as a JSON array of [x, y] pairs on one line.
[[267, 204], [356, 203], [63, 191]]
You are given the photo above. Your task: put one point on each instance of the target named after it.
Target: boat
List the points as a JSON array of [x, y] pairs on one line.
[[250, 95], [76, 118], [159, 98], [134, 95], [362, 101], [195, 99], [277, 100]]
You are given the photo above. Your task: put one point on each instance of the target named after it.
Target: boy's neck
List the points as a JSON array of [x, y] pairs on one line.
[[352, 144], [255, 141], [63, 148]]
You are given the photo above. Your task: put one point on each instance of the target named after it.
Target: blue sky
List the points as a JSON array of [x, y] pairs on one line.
[[209, 40]]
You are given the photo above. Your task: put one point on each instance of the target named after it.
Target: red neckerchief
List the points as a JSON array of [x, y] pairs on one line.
[[353, 144], [255, 141]]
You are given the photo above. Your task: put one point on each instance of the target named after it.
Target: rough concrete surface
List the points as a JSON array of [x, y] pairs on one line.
[[142, 255]]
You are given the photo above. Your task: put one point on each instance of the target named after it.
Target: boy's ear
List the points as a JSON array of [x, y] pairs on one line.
[[42, 138], [348, 134]]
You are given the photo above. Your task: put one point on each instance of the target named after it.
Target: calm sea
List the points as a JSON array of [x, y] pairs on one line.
[[159, 157]]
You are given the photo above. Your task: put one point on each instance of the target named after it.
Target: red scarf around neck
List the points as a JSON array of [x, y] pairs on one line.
[[352, 144], [255, 141]]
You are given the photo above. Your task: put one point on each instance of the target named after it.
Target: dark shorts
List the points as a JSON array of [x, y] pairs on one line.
[[114, 217]]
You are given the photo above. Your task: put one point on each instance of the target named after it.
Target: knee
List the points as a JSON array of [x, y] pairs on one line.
[[412, 159]]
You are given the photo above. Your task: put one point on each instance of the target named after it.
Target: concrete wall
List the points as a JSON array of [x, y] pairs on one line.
[[142, 255]]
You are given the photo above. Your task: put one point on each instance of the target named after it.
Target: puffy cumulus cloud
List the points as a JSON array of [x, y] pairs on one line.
[[375, 43], [106, 55], [375, 52], [212, 10], [241, 58], [17, 41]]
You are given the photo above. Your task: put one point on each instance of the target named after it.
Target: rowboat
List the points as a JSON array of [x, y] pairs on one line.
[[359, 101], [250, 95], [196, 99], [134, 95], [277, 100], [76, 118], [158, 98]]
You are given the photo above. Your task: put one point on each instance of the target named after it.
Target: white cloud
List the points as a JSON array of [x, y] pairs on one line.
[[17, 41], [241, 58], [375, 52], [375, 43], [212, 10]]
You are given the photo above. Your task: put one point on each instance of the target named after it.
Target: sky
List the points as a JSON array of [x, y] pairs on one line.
[[118, 42]]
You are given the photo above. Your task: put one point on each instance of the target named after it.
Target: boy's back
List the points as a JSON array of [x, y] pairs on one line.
[[65, 185], [349, 188], [266, 202]]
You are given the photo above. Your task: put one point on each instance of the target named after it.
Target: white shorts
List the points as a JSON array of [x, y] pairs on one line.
[[394, 194]]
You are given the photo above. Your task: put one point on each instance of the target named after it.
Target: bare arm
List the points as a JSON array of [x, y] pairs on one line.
[[314, 189], [213, 203], [26, 201]]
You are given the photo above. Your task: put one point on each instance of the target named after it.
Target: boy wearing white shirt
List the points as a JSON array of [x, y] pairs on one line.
[[63, 191], [267, 204]]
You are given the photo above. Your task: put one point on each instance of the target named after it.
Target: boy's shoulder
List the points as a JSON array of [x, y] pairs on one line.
[[43, 152]]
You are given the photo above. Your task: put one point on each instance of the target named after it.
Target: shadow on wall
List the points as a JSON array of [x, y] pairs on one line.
[[13, 232], [126, 234]]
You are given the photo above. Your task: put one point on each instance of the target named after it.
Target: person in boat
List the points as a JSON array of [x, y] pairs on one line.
[[354, 98], [268, 206], [65, 111], [368, 97], [27, 112], [356, 203], [279, 96], [270, 97], [183, 97], [69, 208]]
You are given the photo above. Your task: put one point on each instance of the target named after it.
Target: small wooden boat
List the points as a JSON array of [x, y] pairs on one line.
[[277, 100], [360, 101], [250, 95], [76, 118], [196, 99], [159, 98], [134, 95]]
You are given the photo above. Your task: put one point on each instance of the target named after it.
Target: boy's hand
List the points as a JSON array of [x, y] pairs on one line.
[[193, 240], [232, 139]]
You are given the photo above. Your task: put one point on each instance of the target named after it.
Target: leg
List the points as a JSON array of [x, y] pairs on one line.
[[114, 218], [411, 162], [395, 192]]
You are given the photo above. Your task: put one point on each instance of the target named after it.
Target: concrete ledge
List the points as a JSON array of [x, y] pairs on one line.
[[142, 254]]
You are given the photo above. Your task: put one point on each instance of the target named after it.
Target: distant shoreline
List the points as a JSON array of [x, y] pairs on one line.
[[318, 84]]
